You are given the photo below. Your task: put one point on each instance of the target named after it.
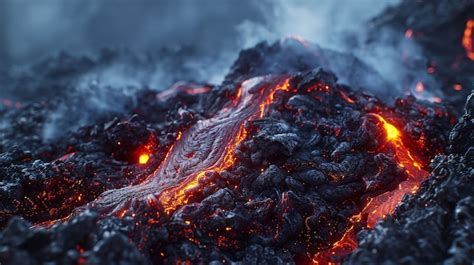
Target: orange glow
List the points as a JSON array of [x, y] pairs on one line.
[[392, 133], [409, 33], [379, 207], [436, 99], [386, 203], [236, 100], [284, 86], [66, 156], [171, 201], [173, 198], [346, 97], [467, 39], [197, 90], [457, 87], [143, 152], [419, 87], [343, 247], [143, 159]]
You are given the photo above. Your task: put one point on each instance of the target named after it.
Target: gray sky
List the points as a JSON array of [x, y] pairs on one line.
[[30, 30]]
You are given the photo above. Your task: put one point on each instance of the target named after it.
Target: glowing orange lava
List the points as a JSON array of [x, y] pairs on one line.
[[173, 198], [180, 197], [382, 205], [285, 87], [346, 97], [457, 87], [143, 152], [467, 39], [143, 159], [392, 133]]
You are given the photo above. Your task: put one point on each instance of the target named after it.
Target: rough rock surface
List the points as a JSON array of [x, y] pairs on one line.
[[300, 174], [435, 226]]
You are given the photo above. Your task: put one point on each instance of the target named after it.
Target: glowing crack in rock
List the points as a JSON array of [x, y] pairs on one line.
[[384, 204], [468, 39], [143, 159], [208, 146]]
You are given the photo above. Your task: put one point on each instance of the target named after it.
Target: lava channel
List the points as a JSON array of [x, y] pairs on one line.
[[208, 146], [377, 208]]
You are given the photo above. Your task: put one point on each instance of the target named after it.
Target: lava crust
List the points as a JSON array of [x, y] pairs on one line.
[[282, 163], [284, 169]]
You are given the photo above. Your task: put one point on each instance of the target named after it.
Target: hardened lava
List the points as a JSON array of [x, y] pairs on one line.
[[286, 169], [280, 164]]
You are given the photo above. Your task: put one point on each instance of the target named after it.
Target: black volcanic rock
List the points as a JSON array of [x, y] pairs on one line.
[[80, 241], [291, 56], [436, 225], [297, 179], [311, 158], [438, 28]]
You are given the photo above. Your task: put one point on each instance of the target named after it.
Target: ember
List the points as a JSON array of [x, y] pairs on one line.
[[143, 159], [382, 205], [468, 39], [281, 163], [457, 87]]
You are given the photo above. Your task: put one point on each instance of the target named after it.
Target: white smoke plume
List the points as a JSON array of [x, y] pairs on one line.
[[216, 31]]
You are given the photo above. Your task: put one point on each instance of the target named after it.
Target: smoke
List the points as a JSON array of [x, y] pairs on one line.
[[343, 26], [110, 86], [324, 22], [144, 25], [217, 30], [202, 39], [35, 29]]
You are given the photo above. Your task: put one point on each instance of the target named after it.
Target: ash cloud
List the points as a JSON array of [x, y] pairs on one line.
[[345, 26], [217, 29], [201, 38]]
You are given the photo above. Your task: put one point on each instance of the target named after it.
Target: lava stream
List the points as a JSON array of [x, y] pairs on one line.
[[468, 39], [207, 146], [382, 205]]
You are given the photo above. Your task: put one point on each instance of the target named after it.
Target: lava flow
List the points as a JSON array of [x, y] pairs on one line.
[[207, 146], [384, 204], [318, 157], [468, 39]]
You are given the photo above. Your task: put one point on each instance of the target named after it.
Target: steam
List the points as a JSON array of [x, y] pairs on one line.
[[111, 88], [324, 22], [342, 26], [203, 38]]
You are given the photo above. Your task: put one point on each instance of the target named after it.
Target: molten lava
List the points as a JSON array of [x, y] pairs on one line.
[[206, 147], [143, 159], [346, 97], [392, 133], [384, 204], [468, 39], [171, 199]]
